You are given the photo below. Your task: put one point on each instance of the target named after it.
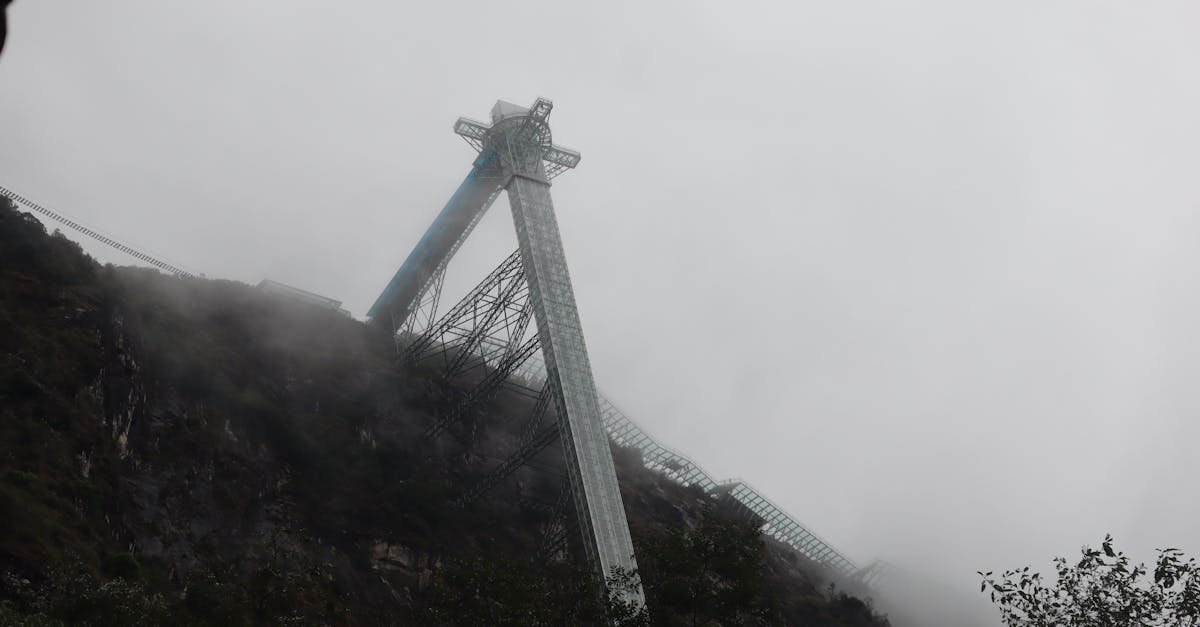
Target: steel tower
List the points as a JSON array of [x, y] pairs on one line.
[[516, 154]]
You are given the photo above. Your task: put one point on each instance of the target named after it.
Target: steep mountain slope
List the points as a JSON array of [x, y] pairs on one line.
[[185, 450]]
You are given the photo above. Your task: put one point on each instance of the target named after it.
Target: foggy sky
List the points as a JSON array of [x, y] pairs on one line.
[[924, 273]]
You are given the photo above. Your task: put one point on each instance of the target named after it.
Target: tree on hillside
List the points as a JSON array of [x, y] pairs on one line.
[[1101, 590], [499, 591], [712, 574]]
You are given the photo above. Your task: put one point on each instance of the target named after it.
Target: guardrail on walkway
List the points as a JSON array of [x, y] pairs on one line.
[[777, 523]]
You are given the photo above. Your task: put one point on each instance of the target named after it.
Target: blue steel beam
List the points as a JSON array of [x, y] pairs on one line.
[[440, 242]]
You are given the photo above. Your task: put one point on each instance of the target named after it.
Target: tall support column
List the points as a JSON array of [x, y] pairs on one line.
[[589, 459], [521, 139]]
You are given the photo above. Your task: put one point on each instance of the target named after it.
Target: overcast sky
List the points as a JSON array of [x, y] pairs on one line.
[[925, 273]]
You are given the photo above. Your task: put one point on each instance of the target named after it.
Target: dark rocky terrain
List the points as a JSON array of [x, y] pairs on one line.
[[195, 451]]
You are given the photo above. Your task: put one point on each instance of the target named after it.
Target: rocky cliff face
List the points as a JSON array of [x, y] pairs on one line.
[[210, 441]]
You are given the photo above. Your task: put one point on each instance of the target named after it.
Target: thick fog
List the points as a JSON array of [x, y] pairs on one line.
[[925, 273]]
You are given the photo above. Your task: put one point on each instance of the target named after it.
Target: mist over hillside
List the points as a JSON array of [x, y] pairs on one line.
[[200, 451]]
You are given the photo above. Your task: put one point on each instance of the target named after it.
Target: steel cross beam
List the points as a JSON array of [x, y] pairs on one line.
[[539, 412], [507, 297], [499, 291], [554, 538], [534, 438], [541, 439], [558, 159], [486, 388]]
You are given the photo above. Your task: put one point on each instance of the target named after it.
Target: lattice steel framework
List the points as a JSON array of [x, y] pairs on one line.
[[516, 154], [487, 330], [527, 374], [534, 439], [555, 536], [529, 447], [485, 327]]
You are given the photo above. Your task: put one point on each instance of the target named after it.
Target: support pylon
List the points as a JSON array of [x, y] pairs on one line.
[[516, 154]]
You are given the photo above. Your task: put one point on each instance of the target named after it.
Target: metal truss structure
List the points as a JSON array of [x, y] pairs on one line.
[[487, 330], [558, 528], [485, 389], [484, 327], [535, 438], [529, 447], [621, 430], [516, 154]]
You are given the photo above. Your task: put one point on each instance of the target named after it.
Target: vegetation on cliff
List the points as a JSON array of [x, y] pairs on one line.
[[200, 452]]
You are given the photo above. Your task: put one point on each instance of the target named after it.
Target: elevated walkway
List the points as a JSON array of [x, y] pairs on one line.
[[777, 522]]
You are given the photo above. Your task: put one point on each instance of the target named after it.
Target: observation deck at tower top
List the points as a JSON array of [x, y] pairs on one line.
[[558, 158], [504, 110]]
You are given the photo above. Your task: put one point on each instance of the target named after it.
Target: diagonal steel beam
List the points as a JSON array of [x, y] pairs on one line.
[[485, 389], [461, 313], [428, 260], [541, 439]]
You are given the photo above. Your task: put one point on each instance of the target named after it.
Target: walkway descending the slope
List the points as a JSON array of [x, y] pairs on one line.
[[777, 524], [61, 219]]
